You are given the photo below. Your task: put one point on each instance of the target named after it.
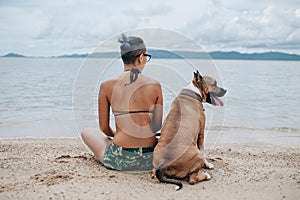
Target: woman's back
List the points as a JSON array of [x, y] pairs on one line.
[[134, 106], [136, 102]]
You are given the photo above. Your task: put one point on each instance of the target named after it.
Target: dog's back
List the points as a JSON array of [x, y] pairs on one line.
[[177, 154], [178, 141]]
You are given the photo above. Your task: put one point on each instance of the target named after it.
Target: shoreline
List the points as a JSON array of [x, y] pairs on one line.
[[212, 137], [39, 168]]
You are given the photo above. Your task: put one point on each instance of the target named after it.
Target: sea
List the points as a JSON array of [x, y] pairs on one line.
[[57, 97]]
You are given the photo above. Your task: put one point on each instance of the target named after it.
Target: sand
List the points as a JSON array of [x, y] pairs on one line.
[[64, 169]]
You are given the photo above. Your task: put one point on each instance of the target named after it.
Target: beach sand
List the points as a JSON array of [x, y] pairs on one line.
[[62, 168]]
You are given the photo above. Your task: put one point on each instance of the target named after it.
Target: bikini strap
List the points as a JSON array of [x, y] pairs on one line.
[[118, 113]]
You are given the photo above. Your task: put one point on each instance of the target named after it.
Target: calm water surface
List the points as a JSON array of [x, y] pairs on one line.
[[37, 94]]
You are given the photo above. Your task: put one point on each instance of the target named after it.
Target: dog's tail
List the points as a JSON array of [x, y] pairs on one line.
[[160, 176]]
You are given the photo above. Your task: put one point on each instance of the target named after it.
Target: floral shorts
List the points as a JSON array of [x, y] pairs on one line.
[[128, 159]]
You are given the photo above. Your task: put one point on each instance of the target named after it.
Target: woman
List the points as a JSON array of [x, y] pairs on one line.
[[136, 102]]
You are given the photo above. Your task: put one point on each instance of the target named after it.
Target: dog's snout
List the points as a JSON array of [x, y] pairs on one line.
[[222, 92]]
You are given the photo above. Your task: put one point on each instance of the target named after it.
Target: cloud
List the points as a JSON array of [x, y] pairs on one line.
[[46, 28], [297, 13], [21, 22], [53, 27], [149, 10], [268, 29]]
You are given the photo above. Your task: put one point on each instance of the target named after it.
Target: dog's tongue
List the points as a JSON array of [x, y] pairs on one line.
[[216, 101]]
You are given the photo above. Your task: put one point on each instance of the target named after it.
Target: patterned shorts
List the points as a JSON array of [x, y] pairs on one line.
[[128, 159]]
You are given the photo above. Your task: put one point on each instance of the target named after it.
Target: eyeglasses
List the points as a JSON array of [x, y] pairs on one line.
[[148, 56]]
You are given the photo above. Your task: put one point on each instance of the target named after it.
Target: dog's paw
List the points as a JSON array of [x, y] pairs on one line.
[[153, 173], [208, 165], [208, 176]]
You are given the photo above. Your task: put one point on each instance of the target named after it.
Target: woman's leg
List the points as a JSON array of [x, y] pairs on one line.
[[96, 141]]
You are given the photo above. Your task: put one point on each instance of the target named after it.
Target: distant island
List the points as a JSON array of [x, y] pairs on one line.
[[14, 55], [163, 54]]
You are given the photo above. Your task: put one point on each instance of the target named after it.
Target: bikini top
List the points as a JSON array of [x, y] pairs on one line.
[[118, 113], [134, 73]]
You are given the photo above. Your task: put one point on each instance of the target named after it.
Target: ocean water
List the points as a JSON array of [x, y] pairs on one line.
[[51, 97]]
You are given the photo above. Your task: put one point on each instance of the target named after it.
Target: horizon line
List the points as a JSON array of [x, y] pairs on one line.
[[14, 54]]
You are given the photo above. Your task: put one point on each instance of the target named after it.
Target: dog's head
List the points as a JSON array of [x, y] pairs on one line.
[[209, 89]]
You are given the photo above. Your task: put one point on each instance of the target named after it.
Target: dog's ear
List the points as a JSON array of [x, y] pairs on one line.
[[195, 76], [199, 76]]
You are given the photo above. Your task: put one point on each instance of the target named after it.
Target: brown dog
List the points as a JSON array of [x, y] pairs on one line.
[[177, 153]]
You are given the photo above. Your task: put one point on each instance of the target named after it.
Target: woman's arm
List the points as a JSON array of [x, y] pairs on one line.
[[104, 111], [158, 110]]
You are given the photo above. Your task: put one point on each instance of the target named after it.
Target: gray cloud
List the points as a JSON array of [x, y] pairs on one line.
[[50, 28], [269, 29], [149, 10]]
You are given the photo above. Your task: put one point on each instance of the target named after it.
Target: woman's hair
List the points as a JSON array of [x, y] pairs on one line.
[[131, 47]]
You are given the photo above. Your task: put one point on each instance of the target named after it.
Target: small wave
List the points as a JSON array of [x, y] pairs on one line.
[[62, 119], [285, 129], [2, 124], [243, 128]]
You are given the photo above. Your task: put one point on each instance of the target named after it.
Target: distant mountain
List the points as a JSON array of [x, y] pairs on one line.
[[13, 55], [105, 55], [232, 55], [211, 55], [224, 55], [71, 56]]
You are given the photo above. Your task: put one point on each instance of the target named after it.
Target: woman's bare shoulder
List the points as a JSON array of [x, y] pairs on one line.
[[110, 81], [150, 80]]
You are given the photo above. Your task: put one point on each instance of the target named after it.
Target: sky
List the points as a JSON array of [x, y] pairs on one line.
[[51, 28]]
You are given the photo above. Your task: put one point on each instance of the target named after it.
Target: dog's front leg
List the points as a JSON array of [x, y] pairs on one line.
[[207, 164], [153, 173]]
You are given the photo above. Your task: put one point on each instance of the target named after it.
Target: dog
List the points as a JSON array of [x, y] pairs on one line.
[[177, 154]]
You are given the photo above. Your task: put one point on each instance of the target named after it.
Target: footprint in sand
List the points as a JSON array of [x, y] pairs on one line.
[[51, 177]]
